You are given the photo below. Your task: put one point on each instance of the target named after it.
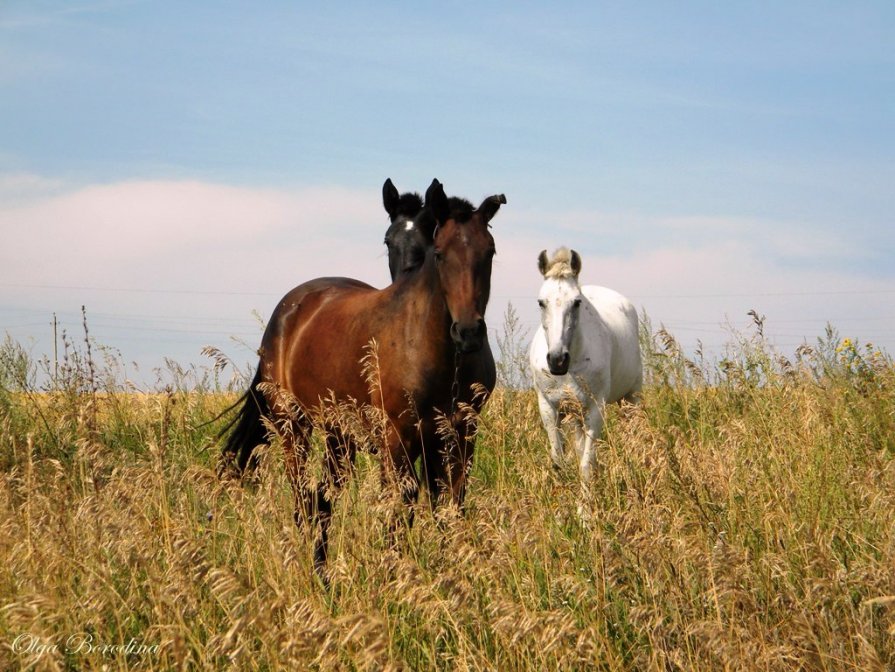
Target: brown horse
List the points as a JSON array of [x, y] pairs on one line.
[[427, 335], [407, 240]]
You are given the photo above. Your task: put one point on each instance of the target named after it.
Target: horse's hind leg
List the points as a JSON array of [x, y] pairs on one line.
[[633, 397], [339, 463], [296, 435]]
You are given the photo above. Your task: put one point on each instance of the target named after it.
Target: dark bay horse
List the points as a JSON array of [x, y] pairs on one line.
[[427, 334], [406, 239]]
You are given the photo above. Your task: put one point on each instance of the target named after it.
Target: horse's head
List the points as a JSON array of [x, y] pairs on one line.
[[463, 249], [560, 300], [410, 234]]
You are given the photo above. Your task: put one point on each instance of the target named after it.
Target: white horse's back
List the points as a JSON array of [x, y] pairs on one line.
[[622, 324]]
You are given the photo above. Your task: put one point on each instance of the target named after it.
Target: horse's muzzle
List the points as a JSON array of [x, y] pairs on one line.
[[558, 363], [469, 338]]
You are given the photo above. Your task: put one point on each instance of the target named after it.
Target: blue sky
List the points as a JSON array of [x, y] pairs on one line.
[[179, 165]]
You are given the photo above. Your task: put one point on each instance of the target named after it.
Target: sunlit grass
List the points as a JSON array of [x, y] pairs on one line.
[[742, 517]]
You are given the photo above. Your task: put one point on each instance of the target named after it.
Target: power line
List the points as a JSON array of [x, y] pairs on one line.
[[137, 290], [749, 295], [736, 295], [141, 290], [30, 313]]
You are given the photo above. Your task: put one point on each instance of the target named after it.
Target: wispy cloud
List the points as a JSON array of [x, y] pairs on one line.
[[186, 233], [16, 188], [696, 287], [628, 232], [186, 257], [32, 16]]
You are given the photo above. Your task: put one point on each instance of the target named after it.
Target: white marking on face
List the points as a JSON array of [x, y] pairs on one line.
[[408, 226]]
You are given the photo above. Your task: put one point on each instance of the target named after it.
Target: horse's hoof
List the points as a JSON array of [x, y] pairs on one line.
[[585, 516]]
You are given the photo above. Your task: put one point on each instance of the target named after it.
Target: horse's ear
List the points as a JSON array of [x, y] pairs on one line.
[[576, 263], [542, 262], [437, 202], [491, 205], [390, 197]]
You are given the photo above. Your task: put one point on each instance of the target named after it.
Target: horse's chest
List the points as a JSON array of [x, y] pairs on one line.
[[408, 379], [575, 385], [562, 388]]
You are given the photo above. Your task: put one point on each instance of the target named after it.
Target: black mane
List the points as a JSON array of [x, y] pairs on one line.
[[409, 205], [461, 209]]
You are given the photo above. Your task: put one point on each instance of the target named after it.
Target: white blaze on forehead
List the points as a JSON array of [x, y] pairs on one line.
[[558, 294], [559, 290], [408, 225]]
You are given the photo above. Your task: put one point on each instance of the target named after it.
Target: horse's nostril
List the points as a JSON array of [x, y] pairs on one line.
[[468, 339], [558, 363]]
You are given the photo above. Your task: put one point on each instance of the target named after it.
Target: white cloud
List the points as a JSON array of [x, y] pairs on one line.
[[206, 255], [186, 235], [17, 188], [695, 289], [611, 232]]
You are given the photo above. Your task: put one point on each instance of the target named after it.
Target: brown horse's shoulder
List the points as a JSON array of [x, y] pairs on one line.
[[297, 309]]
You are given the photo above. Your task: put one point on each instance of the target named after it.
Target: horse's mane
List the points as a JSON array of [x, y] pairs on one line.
[[560, 265], [461, 209], [409, 205]]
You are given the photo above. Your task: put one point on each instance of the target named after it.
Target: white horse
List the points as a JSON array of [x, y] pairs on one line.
[[586, 351]]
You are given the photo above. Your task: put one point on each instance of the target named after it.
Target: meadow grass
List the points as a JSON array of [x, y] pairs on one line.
[[741, 517]]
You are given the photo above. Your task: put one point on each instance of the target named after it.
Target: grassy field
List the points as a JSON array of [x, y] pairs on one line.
[[742, 517]]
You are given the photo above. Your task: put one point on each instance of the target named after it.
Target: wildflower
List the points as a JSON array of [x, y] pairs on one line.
[[845, 345]]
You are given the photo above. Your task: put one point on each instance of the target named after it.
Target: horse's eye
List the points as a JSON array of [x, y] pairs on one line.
[[438, 255], [542, 303], [577, 303]]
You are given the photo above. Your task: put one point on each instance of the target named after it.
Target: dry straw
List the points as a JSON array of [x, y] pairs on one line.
[[742, 517]]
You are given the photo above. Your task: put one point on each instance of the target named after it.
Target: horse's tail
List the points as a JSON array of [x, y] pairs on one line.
[[247, 429]]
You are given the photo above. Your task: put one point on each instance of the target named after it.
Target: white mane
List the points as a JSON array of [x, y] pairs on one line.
[[560, 266]]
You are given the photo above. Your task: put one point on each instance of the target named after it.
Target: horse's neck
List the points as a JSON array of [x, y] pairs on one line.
[[578, 343], [588, 324], [421, 303]]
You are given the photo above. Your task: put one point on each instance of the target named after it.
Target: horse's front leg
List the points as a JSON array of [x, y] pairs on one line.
[[587, 448], [399, 476], [459, 467], [550, 419], [588, 435], [453, 461]]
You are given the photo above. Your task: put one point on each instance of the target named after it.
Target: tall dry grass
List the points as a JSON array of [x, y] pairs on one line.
[[742, 517]]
